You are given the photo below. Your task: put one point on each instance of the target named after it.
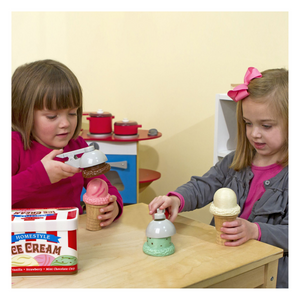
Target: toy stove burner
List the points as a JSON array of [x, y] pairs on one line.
[[122, 136], [99, 135]]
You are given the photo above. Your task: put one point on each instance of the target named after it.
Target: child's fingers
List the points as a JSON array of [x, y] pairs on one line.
[[234, 243], [106, 218], [234, 223], [107, 208], [106, 223], [53, 153], [230, 230], [163, 202], [155, 204], [69, 169], [173, 214], [112, 198]]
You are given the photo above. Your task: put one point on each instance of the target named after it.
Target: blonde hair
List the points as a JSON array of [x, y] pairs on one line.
[[273, 88], [44, 84]]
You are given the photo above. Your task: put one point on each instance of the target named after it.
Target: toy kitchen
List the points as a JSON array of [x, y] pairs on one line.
[[120, 144]]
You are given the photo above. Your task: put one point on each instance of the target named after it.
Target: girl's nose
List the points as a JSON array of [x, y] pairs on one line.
[[64, 122], [256, 132]]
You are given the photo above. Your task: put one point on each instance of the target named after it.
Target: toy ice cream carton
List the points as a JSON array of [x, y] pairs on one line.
[[44, 241]]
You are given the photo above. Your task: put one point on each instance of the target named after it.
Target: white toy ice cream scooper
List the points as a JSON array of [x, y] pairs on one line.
[[93, 161]]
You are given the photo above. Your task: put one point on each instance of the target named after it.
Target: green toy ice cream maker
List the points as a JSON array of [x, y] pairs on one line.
[[159, 232]]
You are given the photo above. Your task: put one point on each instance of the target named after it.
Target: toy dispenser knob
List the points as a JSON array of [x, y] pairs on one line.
[[160, 215]]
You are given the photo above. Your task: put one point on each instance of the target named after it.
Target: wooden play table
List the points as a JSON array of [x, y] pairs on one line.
[[113, 258]]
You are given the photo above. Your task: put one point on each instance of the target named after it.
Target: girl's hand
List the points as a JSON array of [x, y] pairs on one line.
[[240, 231], [110, 212], [171, 203], [57, 170]]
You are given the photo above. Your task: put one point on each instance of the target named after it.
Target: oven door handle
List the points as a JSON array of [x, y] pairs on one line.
[[118, 164]]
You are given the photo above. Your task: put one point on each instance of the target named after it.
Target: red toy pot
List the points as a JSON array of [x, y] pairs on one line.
[[100, 122], [126, 127]]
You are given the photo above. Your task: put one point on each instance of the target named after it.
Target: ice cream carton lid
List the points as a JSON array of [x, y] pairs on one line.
[[44, 219]]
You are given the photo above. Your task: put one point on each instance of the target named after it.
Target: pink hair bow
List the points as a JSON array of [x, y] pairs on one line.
[[241, 91]]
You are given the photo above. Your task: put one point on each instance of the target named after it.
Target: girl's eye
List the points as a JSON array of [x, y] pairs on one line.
[[51, 117], [73, 112], [267, 126]]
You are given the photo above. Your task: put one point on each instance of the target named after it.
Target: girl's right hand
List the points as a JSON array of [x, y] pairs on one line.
[[170, 203], [57, 170]]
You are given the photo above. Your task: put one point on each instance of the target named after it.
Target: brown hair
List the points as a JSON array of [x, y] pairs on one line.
[[272, 87], [43, 84]]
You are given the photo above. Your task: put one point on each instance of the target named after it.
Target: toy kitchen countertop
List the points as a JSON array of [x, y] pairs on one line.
[[141, 136], [123, 156]]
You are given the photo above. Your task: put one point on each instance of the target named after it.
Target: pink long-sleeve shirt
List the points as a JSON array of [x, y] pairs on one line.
[[31, 186]]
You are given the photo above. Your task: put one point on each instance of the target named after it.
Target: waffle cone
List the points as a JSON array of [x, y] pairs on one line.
[[219, 220], [92, 213]]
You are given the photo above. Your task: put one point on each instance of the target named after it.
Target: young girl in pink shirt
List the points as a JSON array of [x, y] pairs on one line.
[[46, 121], [257, 171]]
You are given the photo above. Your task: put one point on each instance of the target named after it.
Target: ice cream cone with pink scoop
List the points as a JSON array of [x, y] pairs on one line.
[[96, 197]]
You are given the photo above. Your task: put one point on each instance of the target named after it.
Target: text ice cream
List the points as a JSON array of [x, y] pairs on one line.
[[96, 196], [225, 209]]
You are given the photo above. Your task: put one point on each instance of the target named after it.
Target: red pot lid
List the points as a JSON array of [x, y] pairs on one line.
[[100, 114], [126, 122]]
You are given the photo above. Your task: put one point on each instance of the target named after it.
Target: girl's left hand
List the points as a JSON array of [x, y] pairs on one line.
[[110, 212], [239, 231]]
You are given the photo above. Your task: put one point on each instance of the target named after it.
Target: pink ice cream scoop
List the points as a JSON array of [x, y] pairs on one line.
[[96, 192], [44, 259]]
